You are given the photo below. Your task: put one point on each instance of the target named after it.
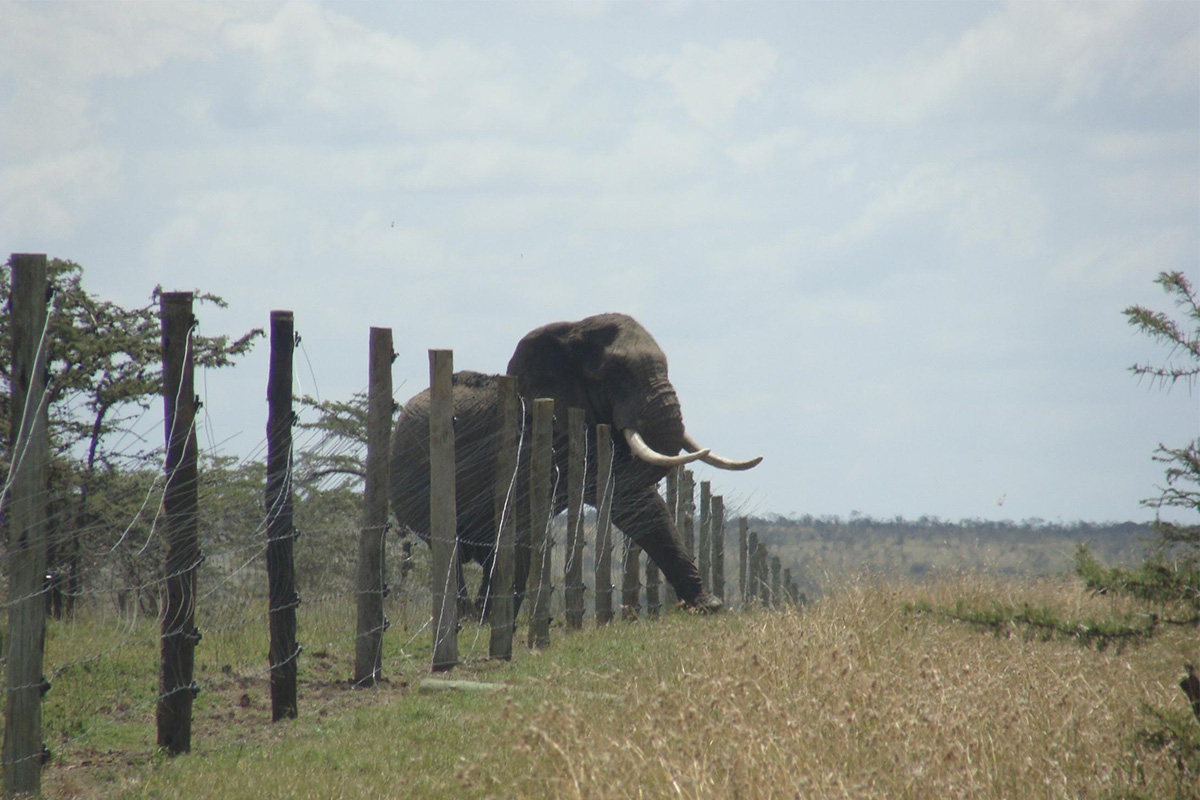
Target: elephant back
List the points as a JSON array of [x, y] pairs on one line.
[[475, 421]]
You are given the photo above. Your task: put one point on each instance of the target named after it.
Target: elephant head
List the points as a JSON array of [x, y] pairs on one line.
[[612, 368]]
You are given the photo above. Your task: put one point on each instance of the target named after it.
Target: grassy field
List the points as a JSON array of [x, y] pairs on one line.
[[857, 695]]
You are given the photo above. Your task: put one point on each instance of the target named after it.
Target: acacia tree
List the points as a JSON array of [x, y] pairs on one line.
[[1171, 573], [1182, 464], [104, 371]]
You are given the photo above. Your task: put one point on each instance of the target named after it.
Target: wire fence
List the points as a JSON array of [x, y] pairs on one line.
[[106, 548]]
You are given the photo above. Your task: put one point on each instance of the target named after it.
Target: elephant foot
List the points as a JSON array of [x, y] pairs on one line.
[[705, 603]]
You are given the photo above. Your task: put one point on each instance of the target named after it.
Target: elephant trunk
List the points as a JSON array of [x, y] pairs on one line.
[[654, 431]]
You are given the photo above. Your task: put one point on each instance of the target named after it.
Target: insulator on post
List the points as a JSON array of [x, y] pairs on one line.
[[45, 686]]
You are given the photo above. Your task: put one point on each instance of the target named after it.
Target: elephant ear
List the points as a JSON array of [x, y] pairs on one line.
[[542, 361]]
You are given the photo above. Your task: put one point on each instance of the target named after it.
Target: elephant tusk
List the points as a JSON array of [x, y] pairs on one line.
[[691, 446], [651, 456]]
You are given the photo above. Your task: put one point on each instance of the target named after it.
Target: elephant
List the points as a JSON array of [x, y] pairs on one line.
[[612, 368]]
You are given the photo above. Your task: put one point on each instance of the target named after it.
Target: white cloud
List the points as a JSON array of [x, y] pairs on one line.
[[711, 82], [47, 197], [352, 74], [1060, 52], [981, 205]]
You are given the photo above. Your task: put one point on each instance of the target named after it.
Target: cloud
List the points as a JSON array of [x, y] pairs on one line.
[[47, 197], [1062, 53], [987, 205], [710, 83], [356, 76]]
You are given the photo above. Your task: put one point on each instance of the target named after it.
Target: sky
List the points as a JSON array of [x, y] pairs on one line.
[[885, 245]]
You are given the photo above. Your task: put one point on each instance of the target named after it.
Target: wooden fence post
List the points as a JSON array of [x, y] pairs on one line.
[[653, 584], [718, 546], [443, 535], [281, 533], [631, 587], [176, 689], [687, 502], [604, 547], [670, 599], [502, 589], [372, 540], [541, 467], [573, 568], [703, 552], [776, 585], [29, 445], [753, 588], [743, 530]]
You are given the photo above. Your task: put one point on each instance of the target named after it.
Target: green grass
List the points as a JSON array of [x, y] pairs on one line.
[[859, 695]]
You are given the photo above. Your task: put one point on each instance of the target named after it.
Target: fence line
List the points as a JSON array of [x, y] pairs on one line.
[[240, 551]]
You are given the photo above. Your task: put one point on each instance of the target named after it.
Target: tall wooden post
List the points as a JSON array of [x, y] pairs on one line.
[[687, 501], [753, 589], [502, 589], [631, 587], [281, 533], [176, 689], [443, 535], [743, 529], [670, 599], [573, 570], [776, 582], [717, 522], [653, 584], [541, 465], [704, 546], [29, 446], [604, 546], [372, 540]]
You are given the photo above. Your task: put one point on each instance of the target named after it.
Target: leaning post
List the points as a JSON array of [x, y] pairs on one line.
[[443, 537], [502, 589], [29, 446], [372, 542], [176, 689]]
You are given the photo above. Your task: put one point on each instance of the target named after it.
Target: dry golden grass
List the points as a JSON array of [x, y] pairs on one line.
[[855, 697]]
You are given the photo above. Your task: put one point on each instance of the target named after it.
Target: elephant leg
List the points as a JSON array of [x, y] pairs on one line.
[[464, 599], [483, 600], [642, 516]]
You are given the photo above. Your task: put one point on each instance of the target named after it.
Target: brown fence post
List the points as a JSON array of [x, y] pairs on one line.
[[753, 586], [631, 587], [29, 445], [502, 589], [281, 533], [604, 547], [176, 689], [776, 584], [573, 568], [703, 552], [443, 535], [541, 465], [670, 599], [743, 530], [372, 540], [717, 522], [687, 503], [653, 583]]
